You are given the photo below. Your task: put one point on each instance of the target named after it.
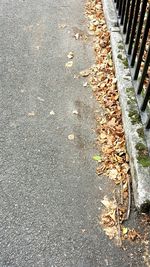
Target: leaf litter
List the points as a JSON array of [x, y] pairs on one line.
[[114, 162]]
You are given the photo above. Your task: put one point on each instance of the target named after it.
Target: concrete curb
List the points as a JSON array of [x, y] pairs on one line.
[[134, 131]]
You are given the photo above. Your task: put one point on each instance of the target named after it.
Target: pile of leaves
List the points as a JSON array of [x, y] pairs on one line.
[[110, 133]]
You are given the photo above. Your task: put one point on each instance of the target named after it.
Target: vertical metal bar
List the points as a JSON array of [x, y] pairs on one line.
[[144, 72], [117, 6], [126, 16], [130, 20], [120, 8], [123, 11], [142, 47], [146, 98], [135, 49], [148, 124], [135, 19]]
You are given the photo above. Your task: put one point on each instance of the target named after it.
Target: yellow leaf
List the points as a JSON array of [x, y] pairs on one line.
[[124, 230]]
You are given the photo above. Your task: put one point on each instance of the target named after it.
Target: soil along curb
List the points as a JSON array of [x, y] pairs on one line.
[[134, 132]]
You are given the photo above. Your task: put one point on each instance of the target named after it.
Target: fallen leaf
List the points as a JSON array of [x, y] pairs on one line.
[[85, 73], [76, 76], [77, 36], [75, 112], [108, 203], [69, 64], [62, 26], [71, 137], [133, 235], [97, 158], [52, 112], [114, 81], [124, 230], [31, 114], [103, 135], [111, 231], [85, 84], [113, 174], [70, 55], [40, 99]]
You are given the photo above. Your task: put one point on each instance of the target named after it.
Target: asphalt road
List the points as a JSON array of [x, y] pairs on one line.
[[50, 196]]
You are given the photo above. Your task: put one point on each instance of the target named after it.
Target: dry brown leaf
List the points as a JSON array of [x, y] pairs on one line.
[[108, 203], [85, 84], [69, 64], [111, 231], [75, 112], [77, 36], [70, 55], [71, 137], [52, 112], [133, 235], [62, 26], [31, 114], [85, 73], [113, 174]]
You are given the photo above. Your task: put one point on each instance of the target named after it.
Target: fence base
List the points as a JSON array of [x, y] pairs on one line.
[[134, 131]]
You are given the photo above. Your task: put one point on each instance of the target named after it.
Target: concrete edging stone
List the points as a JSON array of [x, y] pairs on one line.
[[134, 132]]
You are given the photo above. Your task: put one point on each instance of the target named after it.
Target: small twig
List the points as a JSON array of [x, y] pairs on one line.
[[118, 222], [121, 193], [119, 228], [129, 199]]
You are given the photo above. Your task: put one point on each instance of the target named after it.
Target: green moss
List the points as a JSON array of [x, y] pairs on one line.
[[142, 148], [131, 100], [119, 56], [143, 93], [130, 90], [121, 47], [140, 132], [124, 60], [133, 112], [144, 161], [143, 155], [134, 115]]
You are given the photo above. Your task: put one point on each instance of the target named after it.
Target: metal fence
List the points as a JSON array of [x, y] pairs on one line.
[[134, 19]]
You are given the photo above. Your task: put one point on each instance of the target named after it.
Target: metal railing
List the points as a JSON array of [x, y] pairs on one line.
[[134, 20]]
